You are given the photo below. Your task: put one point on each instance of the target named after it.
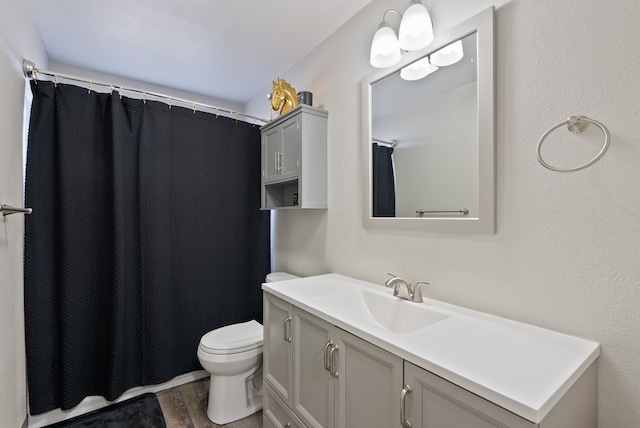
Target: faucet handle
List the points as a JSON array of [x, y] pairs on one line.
[[417, 291]]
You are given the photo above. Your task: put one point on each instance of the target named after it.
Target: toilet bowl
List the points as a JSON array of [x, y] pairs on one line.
[[233, 356]]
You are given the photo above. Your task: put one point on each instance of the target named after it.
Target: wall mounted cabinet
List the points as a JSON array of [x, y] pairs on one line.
[[294, 160]]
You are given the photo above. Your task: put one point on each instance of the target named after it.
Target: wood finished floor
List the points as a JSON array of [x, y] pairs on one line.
[[185, 406]]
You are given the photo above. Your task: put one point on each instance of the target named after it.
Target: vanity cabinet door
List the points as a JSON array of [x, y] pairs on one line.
[[435, 402], [368, 382], [277, 349], [313, 388]]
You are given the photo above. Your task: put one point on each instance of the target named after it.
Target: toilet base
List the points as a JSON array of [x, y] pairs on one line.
[[235, 397]]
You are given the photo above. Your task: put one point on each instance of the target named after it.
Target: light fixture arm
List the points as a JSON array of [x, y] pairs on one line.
[[384, 16]]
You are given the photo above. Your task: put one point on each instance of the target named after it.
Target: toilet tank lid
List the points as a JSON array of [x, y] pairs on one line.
[[239, 337], [280, 276]]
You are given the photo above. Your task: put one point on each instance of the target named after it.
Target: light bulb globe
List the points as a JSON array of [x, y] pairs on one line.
[[448, 55], [416, 29], [385, 50], [418, 70]]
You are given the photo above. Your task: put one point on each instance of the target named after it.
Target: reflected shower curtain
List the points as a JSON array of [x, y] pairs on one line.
[[384, 182], [145, 234]]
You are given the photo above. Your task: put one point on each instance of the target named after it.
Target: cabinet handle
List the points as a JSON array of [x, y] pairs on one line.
[[275, 160], [404, 422], [287, 425], [327, 363], [280, 162], [333, 373], [287, 336]]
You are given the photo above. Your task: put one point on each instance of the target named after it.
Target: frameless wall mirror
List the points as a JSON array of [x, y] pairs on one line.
[[428, 131]]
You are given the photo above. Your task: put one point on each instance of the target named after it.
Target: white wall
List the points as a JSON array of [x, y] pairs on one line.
[[566, 252], [98, 76], [19, 38]]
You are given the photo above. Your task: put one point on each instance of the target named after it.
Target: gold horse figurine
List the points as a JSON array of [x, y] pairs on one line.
[[283, 97]]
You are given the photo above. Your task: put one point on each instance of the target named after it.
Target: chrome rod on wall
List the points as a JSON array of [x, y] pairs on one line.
[[31, 72], [463, 211], [6, 210]]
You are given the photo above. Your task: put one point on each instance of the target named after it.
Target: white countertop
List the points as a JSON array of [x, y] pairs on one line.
[[520, 367]]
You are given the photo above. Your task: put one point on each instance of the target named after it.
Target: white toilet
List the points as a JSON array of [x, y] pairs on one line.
[[233, 356]]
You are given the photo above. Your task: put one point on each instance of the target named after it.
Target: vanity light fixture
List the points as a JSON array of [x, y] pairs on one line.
[[418, 70], [416, 32], [448, 55]]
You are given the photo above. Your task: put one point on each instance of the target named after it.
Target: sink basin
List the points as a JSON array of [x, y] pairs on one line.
[[383, 310]]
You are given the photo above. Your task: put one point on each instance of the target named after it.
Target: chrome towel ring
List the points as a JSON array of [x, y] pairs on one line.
[[575, 124]]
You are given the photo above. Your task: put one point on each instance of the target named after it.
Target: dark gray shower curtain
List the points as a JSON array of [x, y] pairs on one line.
[[384, 183], [145, 234]]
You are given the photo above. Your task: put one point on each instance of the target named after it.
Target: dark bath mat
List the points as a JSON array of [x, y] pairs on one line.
[[139, 412]]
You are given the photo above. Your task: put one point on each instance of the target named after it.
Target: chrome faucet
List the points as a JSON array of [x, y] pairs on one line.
[[405, 290]]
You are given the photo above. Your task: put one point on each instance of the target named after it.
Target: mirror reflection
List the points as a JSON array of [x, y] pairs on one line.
[[424, 132]]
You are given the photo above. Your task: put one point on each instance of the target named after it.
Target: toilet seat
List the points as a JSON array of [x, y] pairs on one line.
[[233, 339]]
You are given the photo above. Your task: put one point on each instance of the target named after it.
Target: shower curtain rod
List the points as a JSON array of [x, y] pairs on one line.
[[31, 72]]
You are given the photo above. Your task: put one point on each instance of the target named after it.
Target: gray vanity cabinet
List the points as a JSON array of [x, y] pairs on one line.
[[294, 160], [318, 375], [435, 402], [338, 379]]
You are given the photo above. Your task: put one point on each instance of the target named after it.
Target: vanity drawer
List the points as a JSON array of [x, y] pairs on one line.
[[276, 414]]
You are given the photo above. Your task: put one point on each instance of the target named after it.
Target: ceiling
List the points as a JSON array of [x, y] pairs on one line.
[[224, 49]]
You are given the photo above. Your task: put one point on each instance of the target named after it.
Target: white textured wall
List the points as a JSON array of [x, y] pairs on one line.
[[102, 77], [19, 38], [566, 254]]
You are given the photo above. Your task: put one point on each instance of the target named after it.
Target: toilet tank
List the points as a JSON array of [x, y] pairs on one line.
[[280, 276]]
